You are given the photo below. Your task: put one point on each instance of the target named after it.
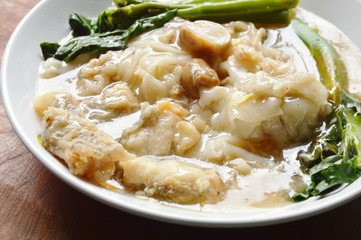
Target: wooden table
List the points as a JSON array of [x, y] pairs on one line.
[[34, 204]]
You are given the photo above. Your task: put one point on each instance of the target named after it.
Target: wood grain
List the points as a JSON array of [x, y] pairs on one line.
[[34, 204]]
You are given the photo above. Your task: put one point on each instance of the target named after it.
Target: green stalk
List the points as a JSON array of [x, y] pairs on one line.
[[237, 6], [216, 6], [260, 11], [328, 62], [276, 17]]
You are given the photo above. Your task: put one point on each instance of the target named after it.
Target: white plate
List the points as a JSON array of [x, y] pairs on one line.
[[48, 21], [344, 14]]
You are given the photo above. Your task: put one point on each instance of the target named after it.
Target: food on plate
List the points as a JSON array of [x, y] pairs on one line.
[[224, 103], [88, 151], [173, 180]]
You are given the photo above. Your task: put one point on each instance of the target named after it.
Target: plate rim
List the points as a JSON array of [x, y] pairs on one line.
[[92, 192]]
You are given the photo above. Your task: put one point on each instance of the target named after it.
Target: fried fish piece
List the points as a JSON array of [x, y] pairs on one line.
[[172, 180], [88, 152]]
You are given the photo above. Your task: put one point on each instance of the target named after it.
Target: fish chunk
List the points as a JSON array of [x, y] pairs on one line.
[[154, 133], [172, 180], [88, 152]]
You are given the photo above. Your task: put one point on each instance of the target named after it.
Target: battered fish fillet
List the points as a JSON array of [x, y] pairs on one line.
[[89, 152], [172, 180]]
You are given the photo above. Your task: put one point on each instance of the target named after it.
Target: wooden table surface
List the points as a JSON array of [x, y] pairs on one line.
[[34, 204]]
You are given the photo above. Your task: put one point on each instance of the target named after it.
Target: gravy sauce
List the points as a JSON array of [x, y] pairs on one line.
[[263, 187]]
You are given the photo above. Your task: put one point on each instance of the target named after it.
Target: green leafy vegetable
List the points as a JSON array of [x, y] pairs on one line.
[[80, 25], [334, 157], [114, 27], [103, 42], [49, 49]]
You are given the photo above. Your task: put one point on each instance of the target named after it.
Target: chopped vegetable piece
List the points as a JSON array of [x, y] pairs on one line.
[[80, 25]]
